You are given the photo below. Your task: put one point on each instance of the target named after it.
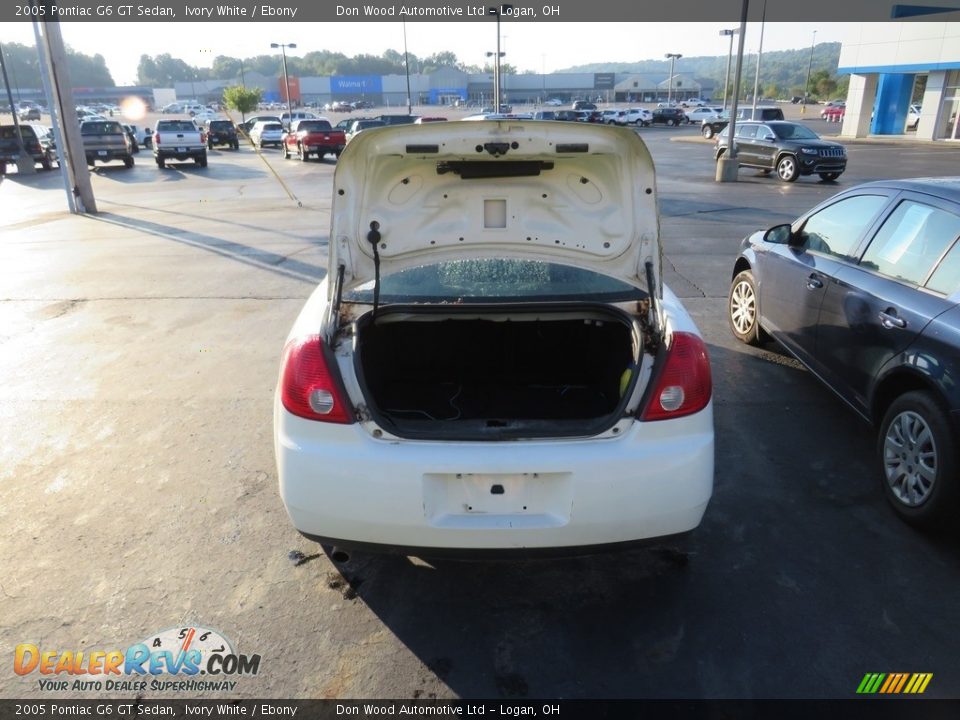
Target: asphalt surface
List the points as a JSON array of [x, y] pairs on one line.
[[139, 351]]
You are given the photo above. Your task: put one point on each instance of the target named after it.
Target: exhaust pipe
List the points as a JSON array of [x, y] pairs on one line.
[[339, 555]]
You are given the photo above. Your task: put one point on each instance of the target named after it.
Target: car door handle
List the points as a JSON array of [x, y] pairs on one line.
[[890, 322], [814, 283]]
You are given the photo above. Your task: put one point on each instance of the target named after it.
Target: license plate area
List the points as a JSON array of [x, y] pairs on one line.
[[497, 500], [181, 149], [101, 152]]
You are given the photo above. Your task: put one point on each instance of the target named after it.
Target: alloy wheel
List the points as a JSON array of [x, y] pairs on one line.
[[743, 307]]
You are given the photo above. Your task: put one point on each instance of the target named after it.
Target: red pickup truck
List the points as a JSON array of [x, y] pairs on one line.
[[313, 137]]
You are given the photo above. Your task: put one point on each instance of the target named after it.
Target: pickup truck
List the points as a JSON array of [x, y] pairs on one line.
[[313, 137], [179, 140], [104, 141], [10, 148]]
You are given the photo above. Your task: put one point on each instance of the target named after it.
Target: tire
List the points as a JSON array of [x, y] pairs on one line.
[[236, 144], [304, 156], [743, 310], [829, 177], [46, 164], [160, 163], [128, 162], [209, 146], [916, 451], [787, 168], [202, 160], [284, 152], [707, 132], [669, 122]]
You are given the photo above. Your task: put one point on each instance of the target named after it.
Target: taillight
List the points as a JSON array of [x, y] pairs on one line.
[[156, 138], [685, 385], [309, 389], [203, 138]]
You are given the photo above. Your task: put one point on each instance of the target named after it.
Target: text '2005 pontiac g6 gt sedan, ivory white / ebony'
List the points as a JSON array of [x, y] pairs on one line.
[[493, 364]]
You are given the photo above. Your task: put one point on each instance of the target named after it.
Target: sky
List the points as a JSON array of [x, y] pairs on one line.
[[539, 47]]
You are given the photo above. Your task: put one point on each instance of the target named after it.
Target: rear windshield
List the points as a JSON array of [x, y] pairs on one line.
[[495, 280], [101, 128], [272, 126], [176, 125], [8, 132], [221, 125], [314, 125], [366, 124]]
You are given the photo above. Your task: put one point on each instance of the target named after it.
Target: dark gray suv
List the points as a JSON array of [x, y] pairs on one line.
[[788, 148], [864, 291]]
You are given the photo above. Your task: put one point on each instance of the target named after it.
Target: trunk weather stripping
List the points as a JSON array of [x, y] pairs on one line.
[[337, 295], [656, 329]]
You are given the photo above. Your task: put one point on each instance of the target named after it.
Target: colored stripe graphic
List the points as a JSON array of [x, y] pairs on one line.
[[894, 683]]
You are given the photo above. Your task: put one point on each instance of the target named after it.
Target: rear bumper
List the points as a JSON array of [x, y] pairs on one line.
[[105, 155], [342, 486], [172, 153]]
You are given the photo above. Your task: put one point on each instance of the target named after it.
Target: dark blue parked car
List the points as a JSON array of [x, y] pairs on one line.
[[864, 291]]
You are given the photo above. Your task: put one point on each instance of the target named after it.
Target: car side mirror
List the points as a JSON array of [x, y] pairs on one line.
[[769, 138], [779, 234]]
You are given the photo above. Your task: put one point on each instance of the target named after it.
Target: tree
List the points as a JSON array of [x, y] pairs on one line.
[[242, 99]]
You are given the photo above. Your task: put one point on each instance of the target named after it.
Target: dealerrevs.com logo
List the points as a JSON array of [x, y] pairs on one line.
[[171, 660]]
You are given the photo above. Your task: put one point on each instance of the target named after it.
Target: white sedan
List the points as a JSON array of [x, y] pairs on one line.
[[492, 363]]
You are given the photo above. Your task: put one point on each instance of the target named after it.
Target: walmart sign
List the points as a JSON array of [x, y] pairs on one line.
[[355, 85]]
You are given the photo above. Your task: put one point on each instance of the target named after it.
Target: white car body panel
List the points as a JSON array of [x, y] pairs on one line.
[[650, 479]]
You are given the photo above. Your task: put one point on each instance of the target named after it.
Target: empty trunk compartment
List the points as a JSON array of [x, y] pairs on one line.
[[491, 375]]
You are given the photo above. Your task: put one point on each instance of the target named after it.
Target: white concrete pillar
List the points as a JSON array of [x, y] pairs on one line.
[[932, 100], [861, 96]]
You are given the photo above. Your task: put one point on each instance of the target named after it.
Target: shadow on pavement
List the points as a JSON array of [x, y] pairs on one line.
[[255, 257]]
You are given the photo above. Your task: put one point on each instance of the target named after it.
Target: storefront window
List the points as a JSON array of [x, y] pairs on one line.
[[947, 125]]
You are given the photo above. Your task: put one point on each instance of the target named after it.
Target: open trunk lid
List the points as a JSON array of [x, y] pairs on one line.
[[572, 193]]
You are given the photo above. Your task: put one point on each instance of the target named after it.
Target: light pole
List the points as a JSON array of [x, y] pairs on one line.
[[496, 78], [756, 78], [286, 80], [496, 11], [16, 84], [406, 63], [673, 57], [543, 76], [806, 85], [726, 83]]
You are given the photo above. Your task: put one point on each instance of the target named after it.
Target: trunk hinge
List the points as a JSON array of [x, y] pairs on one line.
[[373, 237], [656, 319]]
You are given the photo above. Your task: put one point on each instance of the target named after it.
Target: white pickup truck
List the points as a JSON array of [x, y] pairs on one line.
[[179, 140]]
